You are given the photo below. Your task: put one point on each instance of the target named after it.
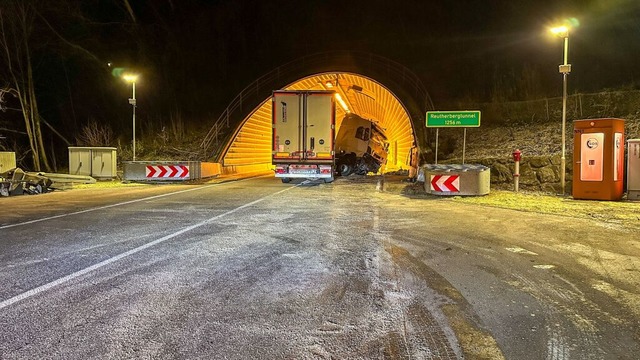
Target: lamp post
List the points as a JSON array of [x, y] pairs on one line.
[[565, 69], [131, 78]]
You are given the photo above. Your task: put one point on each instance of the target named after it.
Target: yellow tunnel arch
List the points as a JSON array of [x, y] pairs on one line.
[[249, 150]]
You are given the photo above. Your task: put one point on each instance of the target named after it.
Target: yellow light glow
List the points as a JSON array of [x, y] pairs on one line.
[[560, 30], [329, 84], [130, 77], [342, 102]]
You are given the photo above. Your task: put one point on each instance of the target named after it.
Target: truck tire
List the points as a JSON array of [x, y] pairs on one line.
[[328, 181], [286, 180], [362, 168], [345, 169]]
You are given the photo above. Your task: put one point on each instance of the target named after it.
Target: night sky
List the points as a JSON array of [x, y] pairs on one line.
[[195, 56]]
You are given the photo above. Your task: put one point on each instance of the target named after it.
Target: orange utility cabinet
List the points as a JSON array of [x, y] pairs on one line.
[[598, 159]]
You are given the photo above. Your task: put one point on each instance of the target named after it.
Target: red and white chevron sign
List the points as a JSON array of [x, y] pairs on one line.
[[445, 183], [167, 171]]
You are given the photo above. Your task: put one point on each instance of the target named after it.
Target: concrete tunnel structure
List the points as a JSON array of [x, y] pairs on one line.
[[372, 87]]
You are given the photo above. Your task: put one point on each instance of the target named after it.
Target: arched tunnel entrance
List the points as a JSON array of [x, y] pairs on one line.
[[372, 87]]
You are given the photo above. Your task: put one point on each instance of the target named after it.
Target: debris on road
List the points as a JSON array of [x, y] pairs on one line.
[[18, 182]]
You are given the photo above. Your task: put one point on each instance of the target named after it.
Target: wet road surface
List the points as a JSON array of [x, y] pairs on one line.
[[260, 269]]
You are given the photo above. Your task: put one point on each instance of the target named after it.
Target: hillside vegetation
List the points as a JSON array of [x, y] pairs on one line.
[[535, 127]]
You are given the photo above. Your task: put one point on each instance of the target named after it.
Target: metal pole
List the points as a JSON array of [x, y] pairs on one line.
[[516, 177], [464, 144], [564, 116], [564, 122], [133, 103], [437, 133]]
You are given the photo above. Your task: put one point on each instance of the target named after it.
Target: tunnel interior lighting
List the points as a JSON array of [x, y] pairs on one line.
[[342, 103], [251, 149]]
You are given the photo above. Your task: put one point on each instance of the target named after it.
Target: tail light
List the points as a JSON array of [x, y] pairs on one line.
[[325, 169]]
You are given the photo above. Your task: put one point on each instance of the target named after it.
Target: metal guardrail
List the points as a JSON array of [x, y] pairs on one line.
[[261, 88]]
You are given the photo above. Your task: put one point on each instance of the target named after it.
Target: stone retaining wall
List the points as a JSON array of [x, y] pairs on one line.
[[540, 173]]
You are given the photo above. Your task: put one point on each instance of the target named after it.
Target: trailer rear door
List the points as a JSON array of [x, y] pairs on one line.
[[287, 126], [319, 131]]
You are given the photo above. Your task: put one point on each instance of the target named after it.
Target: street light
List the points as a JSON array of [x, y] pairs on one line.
[[131, 78], [565, 69]]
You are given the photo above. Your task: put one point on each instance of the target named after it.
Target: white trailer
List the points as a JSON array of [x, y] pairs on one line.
[[303, 135]]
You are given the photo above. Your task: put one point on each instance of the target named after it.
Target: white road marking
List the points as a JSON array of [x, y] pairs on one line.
[[520, 250], [111, 260], [545, 267], [113, 205]]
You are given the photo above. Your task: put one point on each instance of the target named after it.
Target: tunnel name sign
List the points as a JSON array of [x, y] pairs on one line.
[[453, 118]]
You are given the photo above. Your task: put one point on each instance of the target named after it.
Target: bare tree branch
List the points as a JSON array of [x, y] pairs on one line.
[[129, 9], [7, 90], [69, 43], [13, 131], [16, 27], [55, 131]]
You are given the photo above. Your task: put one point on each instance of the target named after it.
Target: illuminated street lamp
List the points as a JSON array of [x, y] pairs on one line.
[[131, 78], [565, 69]]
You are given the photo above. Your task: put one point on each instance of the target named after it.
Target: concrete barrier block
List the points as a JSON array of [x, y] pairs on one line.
[[209, 169], [161, 170], [470, 179]]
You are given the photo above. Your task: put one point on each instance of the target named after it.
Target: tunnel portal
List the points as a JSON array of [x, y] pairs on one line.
[[399, 111]]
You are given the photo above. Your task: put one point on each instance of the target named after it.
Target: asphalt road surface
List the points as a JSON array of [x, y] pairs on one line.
[[257, 269]]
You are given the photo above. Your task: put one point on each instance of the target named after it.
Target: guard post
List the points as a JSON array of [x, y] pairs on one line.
[[517, 154]]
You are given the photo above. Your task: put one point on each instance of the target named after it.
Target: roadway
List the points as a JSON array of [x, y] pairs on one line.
[[259, 269]]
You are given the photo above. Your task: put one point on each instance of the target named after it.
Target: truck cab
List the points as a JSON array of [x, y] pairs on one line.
[[361, 146]]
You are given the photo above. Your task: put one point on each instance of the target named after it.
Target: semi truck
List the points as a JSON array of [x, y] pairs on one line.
[[361, 146], [303, 135]]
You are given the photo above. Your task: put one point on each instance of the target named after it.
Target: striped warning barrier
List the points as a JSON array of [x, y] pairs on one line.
[[167, 171]]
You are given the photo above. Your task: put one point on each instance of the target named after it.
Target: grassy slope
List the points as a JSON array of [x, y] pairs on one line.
[[619, 212]]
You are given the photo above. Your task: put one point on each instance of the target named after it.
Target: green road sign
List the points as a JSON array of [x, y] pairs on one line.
[[453, 118]]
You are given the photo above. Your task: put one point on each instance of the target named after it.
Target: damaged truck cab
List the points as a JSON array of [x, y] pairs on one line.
[[361, 146]]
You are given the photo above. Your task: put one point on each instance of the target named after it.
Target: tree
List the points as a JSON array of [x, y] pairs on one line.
[[16, 27]]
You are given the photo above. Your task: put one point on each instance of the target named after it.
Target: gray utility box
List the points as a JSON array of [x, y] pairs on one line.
[[98, 162], [633, 170], [7, 161], [468, 179]]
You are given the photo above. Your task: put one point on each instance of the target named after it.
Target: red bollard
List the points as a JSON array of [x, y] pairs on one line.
[[517, 154]]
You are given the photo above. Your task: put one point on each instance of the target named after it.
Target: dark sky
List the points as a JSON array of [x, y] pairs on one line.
[[195, 55], [459, 48]]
